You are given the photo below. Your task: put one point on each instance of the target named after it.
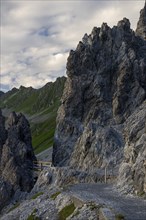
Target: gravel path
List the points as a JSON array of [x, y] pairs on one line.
[[46, 155], [132, 208]]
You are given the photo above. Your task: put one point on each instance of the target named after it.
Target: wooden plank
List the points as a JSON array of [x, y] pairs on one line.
[[40, 165], [43, 162]]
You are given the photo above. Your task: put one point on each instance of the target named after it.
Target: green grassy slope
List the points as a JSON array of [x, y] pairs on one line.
[[40, 106]]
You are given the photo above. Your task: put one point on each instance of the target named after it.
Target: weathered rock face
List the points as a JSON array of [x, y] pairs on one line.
[[106, 84], [132, 172], [16, 159], [141, 26], [3, 132]]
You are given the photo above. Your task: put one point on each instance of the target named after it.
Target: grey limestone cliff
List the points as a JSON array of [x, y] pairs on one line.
[[16, 157], [132, 172], [104, 93]]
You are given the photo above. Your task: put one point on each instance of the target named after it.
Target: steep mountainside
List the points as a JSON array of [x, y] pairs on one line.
[[40, 107], [103, 110]]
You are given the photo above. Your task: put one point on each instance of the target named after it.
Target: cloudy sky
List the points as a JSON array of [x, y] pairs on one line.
[[36, 36]]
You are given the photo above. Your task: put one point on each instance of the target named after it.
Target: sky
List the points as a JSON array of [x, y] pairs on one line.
[[36, 36]]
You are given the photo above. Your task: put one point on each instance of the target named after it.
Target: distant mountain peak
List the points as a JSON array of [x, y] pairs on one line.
[[25, 88]]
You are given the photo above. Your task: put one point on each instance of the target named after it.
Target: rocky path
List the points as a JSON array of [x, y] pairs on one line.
[[132, 208]]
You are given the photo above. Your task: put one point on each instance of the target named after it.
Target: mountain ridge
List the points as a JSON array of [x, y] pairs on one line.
[[39, 106]]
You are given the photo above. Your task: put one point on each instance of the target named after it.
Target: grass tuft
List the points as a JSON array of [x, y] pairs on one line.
[[54, 196], [33, 216], [66, 211], [14, 207], [119, 217], [37, 195]]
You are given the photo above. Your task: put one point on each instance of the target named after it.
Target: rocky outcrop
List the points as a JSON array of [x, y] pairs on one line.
[[141, 26], [3, 132], [1, 93], [63, 176], [106, 85], [16, 158]]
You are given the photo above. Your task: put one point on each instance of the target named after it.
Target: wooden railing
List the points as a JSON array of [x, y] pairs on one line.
[[40, 165]]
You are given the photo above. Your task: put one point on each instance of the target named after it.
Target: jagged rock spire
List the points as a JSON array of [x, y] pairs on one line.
[[141, 25], [16, 157]]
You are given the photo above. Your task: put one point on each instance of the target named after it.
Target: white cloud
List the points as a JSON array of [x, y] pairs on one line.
[[37, 35]]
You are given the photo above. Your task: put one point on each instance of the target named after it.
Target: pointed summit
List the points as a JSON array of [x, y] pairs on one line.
[[141, 25]]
